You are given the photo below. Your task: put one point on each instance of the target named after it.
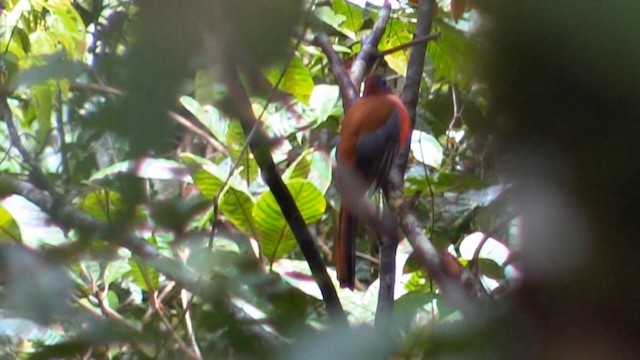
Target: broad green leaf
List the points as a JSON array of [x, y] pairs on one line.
[[324, 102], [453, 54], [329, 16], [274, 234], [320, 174], [9, 229], [426, 149], [312, 165], [115, 270], [207, 176], [235, 142], [106, 205], [208, 116], [36, 227], [300, 167], [142, 274], [42, 43], [42, 96], [397, 33], [353, 14], [205, 87], [297, 80], [237, 205], [66, 26]]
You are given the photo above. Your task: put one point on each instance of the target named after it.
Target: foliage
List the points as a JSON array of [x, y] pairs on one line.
[[93, 90]]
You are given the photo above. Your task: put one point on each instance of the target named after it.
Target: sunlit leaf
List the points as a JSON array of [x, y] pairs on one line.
[[329, 16], [148, 168], [235, 143], [115, 270], [276, 238], [426, 149], [324, 102], [353, 14], [397, 33], [36, 227], [296, 81], [143, 275], [207, 176], [237, 206], [9, 230], [42, 101], [208, 116], [300, 167]]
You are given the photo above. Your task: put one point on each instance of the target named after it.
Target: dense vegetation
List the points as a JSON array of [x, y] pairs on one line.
[[148, 147]]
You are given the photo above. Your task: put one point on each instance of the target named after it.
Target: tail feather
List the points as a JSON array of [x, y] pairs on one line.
[[345, 248]]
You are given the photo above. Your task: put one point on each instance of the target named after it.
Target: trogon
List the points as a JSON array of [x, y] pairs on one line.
[[375, 128]]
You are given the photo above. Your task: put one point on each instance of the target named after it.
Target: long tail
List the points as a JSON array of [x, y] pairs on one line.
[[344, 249]]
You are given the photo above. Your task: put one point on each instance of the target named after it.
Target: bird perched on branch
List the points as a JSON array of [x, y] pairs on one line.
[[375, 128]]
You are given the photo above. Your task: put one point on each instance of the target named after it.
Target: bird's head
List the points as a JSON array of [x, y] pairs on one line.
[[376, 84]]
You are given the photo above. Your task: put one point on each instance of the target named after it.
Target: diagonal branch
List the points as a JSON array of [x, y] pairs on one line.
[[260, 146]]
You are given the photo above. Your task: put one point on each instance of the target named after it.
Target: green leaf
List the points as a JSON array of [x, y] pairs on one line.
[[208, 116], [237, 205], [297, 80], [426, 149], [235, 142], [66, 26], [397, 33], [409, 305], [312, 165], [115, 270], [208, 177], [9, 229], [353, 14], [141, 274], [329, 17], [106, 205], [42, 96], [453, 54], [274, 234], [491, 269], [320, 174], [300, 167], [324, 102]]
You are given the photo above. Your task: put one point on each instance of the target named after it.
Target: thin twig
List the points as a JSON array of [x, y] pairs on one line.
[[414, 42]]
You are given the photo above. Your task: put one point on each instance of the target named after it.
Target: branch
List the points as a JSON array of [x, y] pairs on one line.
[[260, 147], [369, 51], [411, 90], [68, 217], [36, 173], [349, 91]]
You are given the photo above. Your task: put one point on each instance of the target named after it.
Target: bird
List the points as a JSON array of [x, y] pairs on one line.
[[374, 130]]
